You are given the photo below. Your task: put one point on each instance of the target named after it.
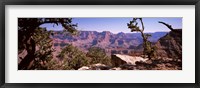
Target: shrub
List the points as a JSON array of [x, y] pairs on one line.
[[73, 58], [98, 55]]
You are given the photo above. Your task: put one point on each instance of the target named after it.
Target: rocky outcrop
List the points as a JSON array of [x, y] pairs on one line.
[[170, 45], [125, 62], [84, 68], [97, 66], [159, 64], [118, 60]]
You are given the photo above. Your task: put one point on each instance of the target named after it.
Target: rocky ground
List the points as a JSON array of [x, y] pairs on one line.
[[137, 63]]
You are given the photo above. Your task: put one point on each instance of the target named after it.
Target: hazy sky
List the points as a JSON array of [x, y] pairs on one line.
[[116, 25]]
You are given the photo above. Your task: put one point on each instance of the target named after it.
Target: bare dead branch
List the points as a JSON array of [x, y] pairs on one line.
[[169, 26]]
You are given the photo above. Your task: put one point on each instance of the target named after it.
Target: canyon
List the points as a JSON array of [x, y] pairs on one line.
[[120, 43]]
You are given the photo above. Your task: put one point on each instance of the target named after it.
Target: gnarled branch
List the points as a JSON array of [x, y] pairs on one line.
[[169, 26]]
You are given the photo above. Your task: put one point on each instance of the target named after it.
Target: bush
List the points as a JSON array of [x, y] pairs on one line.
[[98, 55], [73, 58]]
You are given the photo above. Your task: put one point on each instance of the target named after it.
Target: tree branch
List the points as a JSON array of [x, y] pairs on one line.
[[65, 22], [169, 26], [142, 24]]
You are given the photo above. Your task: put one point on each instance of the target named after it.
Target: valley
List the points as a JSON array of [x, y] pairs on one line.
[[120, 43]]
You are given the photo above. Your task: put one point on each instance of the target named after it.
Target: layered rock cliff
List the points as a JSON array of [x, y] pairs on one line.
[[120, 43], [170, 45]]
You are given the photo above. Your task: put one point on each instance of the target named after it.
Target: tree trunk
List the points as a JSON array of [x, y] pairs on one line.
[[26, 62]]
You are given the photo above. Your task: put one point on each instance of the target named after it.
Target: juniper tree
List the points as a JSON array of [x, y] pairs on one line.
[[149, 50], [26, 29], [72, 57], [43, 52], [98, 55]]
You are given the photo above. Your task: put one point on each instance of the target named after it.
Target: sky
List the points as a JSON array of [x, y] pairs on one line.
[[116, 25]]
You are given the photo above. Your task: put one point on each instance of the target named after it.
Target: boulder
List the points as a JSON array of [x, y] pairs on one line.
[[84, 68], [119, 59], [116, 68], [97, 66]]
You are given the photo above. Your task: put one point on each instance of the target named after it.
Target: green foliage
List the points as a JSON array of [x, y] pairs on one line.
[[98, 55], [148, 49], [44, 49], [54, 64], [73, 58], [27, 29]]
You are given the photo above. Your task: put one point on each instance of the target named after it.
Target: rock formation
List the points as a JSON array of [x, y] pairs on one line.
[[120, 43], [118, 60], [170, 45], [97, 66]]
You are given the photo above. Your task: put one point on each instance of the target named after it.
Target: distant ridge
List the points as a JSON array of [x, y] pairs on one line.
[[113, 43]]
